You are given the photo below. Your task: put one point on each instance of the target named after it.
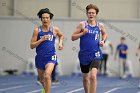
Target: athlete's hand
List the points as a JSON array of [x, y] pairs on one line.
[[45, 37], [101, 43], [60, 47], [84, 31]]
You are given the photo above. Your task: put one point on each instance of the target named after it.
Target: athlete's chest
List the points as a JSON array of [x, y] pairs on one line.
[[93, 30], [50, 35]]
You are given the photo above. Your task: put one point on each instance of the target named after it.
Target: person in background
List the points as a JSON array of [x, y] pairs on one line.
[[107, 50], [122, 52]]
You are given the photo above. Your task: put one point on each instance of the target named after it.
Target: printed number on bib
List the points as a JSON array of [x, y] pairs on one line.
[[96, 36], [54, 57], [97, 54], [50, 37]]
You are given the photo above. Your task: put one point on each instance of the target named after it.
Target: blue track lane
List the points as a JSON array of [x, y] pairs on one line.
[[68, 84]]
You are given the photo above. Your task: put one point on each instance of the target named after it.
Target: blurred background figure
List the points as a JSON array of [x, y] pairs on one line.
[[122, 48], [138, 56], [107, 50]]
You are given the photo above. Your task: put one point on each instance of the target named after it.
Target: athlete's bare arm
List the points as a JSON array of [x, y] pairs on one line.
[[80, 31], [61, 37], [104, 35], [34, 43]]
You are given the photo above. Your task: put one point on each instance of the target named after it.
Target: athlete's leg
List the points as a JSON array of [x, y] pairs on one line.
[[40, 76], [53, 74], [47, 77], [93, 75], [86, 82], [85, 74], [93, 80]]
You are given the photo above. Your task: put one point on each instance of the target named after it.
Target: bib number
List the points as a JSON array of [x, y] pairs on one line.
[[97, 54], [54, 57], [50, 37], [96, 36]]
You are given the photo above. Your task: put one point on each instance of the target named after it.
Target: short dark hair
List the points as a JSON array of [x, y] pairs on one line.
[[45, 10], [92, 6], [122, 38]]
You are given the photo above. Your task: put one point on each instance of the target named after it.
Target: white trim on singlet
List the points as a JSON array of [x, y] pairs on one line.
[[86, 24], [40, 29], [97, 24], [51, 28]]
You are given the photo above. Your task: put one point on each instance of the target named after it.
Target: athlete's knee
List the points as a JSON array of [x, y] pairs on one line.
[[40, 79], [85, 79], [93, 77], [47, 77]]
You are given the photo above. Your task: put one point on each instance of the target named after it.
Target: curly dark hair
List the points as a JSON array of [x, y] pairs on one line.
[[45, 10]]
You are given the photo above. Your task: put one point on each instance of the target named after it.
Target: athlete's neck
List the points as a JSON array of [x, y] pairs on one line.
[[92, 22], [45, 28]]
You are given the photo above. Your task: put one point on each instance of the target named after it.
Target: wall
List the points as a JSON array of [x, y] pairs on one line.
[[109, 9], [58, 7], [119, 9], [4, 4], [15, 35]]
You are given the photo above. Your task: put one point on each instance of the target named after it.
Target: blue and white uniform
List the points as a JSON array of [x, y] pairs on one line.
[[45, 50], [120, 48], [89, 45]]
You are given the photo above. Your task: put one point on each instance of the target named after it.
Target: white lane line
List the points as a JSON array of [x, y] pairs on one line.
[[4, 89], [114, 89], [39, 90], [16, 83], [79, 89]]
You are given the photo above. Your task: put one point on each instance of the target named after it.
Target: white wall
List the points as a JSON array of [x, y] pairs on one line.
[[30, 7], [15, 35], [4, 11], [109, 9]]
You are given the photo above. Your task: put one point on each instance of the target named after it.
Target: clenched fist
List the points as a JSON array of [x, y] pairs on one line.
[[101, 43]]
